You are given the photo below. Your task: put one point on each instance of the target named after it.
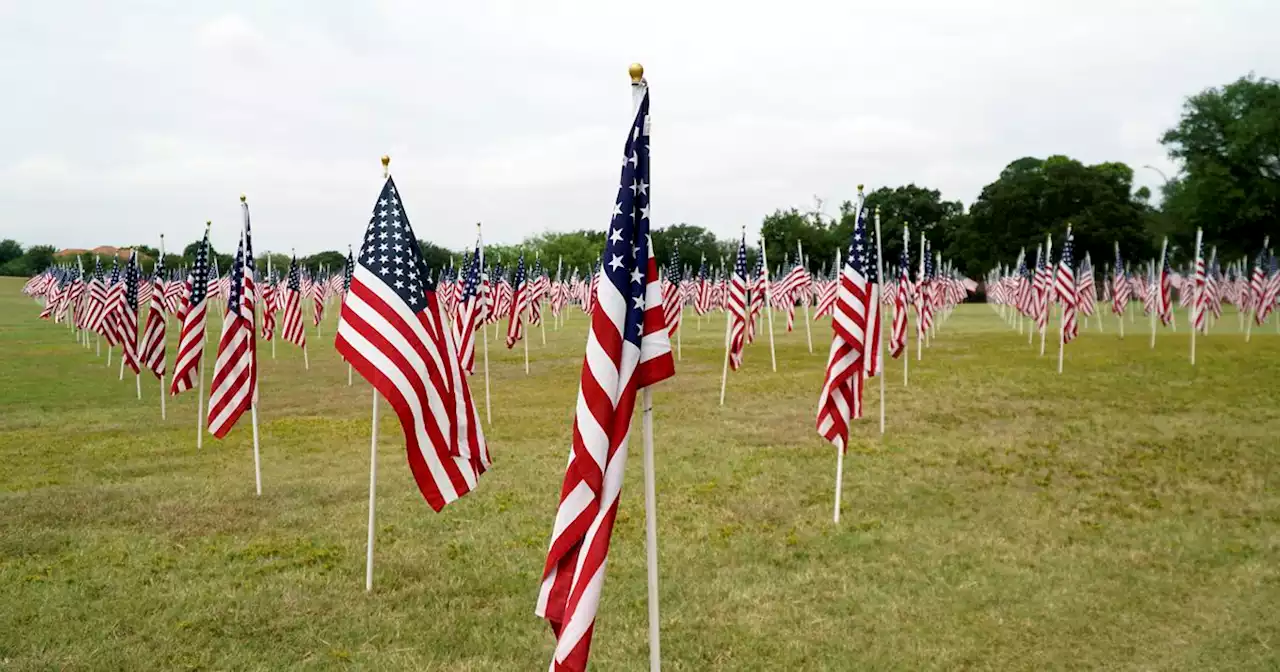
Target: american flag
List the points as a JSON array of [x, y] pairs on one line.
[[627, 349], [52, 291], [191, 337], [1213, 286], [672, 295], [318, 297], [235, 371], [1086, 294], [872, 359], [173, 293], [538, 286], [214, 282], [1271, 288], [347, 271], [519, 303], [737, 306], [901, 299], [1200, 310], [702, 300], [113, 306], [1026, 288], [1164, 291], [291, 326], [1121, 288], [127, 320], [1064, 285], [153, 334], [759, 285], [392, 329], [929, 289], [1041, 285], [270, 304], [841, 397], [470, 311]]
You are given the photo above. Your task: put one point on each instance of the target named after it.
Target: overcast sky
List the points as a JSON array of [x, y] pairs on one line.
[[124, 120]]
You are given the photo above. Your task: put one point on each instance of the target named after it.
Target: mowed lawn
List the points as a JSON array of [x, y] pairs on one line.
[[1124, 515]]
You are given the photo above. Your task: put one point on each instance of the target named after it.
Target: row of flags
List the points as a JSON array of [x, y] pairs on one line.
[[1202, 287], [411, 333]]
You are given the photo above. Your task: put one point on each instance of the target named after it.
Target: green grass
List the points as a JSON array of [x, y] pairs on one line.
[[1125, 515]]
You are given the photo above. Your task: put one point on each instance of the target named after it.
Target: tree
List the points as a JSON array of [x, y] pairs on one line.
[[783, 229], [38, 257], [1228, 145], [922, 209], [694, 242], [9, 250], [332, 261], [1035, 197]]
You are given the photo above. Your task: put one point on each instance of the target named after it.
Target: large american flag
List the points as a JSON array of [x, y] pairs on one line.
[[519, 304], [737, 307], [627, 349], [841, 397], [235, 371], [1064, 285], [470, 310], [191, 337], [393, 330], [292, 328], [152, 350], [538, 287]]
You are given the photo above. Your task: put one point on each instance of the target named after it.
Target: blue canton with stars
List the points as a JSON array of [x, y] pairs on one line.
[[471, 283], [626, 251], [390, 251], [347, 271], [115, 273], [740, 263], [857, 255], [132, 274], [519, 277], [673, 267], [200, 273], [244, 259], [295, 281], [1066, 259], [97, 269]]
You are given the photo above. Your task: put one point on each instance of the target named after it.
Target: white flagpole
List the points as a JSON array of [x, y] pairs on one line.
[[1195, 296], [920, 332], [306, 361], [488, 409], [906, 337], [839, 479], [1158, 285], [257, 460], [808, 330], [1048, 293], [526, 344], [200, 404], [724, 371], [109, 354], [768, 305], [1062, 317], [651, 530], [879, 322], [373, 489]]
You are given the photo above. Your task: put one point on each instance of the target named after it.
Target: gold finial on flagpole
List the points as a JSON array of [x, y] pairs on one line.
[[208, 224], [637, 73], [243, 197], [386, 165], [859, 188]]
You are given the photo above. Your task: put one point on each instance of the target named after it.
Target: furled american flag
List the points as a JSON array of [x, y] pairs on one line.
[[1042, 285], [519, 304], [627, 350], [1086, 293], [470, 310], [270, 304], [672, 295], [1121, 288], [702, 299], [152, 351], [215, 278], [901, 299], [292, 328], [1164, 290], [841, 397], [392, 329], [191, 336], [52, 291], [872, 358], [737, 307], [1213, 287], [319, 294], [235, 371], [347, 271], [1064, 285]]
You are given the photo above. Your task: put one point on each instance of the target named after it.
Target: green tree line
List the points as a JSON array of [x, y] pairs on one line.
[[1226, 145]]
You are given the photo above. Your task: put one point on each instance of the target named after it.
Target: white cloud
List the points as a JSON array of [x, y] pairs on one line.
[[136, 119]]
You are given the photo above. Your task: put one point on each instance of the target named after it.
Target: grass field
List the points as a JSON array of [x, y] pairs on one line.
[[1125, 515]]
